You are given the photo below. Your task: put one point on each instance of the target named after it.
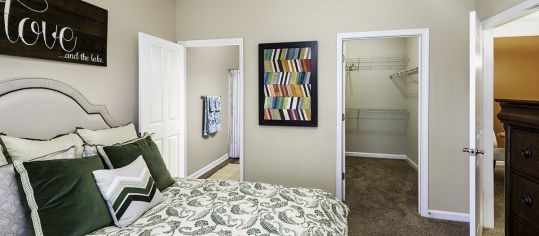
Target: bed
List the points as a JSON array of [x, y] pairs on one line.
[[43, 108]]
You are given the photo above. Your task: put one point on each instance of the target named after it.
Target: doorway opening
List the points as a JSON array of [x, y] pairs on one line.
[[511, 42], [381, 125], [382, 107], [214, 108]]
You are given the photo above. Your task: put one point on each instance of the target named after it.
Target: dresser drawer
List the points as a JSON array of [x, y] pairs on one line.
[[524, 152], [520, 229], [525, 199]]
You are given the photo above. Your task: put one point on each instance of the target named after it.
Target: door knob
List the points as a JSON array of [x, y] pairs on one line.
[[473, 151]]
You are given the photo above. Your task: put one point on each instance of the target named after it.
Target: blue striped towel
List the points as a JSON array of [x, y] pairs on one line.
[[212, 115]]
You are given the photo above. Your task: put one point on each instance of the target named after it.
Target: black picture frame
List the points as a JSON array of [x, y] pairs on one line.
[[313, 83]]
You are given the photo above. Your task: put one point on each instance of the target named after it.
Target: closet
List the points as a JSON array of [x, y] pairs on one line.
[[382, 98]]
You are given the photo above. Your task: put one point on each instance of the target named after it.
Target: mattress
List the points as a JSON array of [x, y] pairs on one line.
[[214, 207]]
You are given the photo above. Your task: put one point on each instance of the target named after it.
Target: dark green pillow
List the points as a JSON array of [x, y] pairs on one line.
[[122, 155], [62, 196]]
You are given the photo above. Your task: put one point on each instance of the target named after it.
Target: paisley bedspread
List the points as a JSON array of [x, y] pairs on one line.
[[213, 207]]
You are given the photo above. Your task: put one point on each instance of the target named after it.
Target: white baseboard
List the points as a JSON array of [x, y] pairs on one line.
[[376, 155], [448, 215], [207, 168], [383, 156], [414, 165]]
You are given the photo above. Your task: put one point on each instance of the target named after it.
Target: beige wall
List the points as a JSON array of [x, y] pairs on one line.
[[207, 74], [102, 84], [489, 8], [306, 156], [364, 87], [516, 70]]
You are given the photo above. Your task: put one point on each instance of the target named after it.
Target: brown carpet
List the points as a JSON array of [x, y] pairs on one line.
[[382, 196], [499, 204]]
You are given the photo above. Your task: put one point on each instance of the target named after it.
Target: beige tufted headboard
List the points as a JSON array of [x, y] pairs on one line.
[[43, 108]]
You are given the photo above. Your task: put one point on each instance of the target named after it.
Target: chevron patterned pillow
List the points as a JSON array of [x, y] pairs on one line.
[[130, 191]]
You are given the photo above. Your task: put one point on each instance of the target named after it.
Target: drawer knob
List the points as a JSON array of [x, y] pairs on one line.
[[527, 200], [526, 153]]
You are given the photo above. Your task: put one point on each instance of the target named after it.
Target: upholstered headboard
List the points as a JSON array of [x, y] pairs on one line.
[[43, 108]]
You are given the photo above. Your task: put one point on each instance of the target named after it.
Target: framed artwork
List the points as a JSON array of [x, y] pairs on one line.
[[288, 84], [71, 31]]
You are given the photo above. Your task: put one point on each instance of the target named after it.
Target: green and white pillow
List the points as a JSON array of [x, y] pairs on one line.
[[62, 196], [21, 149], [12, 213], [107, 137], [130, 191]]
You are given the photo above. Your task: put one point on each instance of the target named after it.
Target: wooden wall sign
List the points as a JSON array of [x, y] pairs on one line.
[[61, 30]]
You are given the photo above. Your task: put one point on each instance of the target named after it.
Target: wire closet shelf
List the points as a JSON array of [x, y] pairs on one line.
[[376, 63]]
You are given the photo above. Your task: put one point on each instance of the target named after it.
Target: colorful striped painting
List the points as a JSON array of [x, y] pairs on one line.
[[288, 84]]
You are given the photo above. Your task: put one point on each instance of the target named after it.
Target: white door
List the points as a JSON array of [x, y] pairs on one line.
[[161, 82], [476, 128]]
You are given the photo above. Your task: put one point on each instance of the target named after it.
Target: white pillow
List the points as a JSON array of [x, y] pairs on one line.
[[110, 136], [89, 150], [20, 149], [3, 159], [132, 187], [12, 215]]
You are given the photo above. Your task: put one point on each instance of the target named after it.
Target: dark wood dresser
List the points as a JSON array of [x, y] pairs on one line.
[[521, 121]]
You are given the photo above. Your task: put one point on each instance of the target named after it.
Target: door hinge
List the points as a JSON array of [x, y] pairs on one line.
[[473, 151], [343, 176], [343, 117], [343, 58]]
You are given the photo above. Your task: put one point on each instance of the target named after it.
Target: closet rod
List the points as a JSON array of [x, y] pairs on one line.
[[405, 73], [388, 67]]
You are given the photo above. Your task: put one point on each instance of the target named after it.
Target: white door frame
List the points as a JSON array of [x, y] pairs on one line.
[[423, 159], [219, 43], [489, 24]]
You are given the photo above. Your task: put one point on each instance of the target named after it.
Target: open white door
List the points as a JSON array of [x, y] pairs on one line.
[[476, 129], [161, 95]]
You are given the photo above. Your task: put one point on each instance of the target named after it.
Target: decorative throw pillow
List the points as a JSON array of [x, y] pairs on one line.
[[12, 212], [21, 149], [108, 136], [62, 196], [130, 191], [12, 215], [118, 156]]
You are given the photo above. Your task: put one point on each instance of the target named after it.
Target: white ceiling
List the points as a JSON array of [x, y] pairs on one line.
[[525, 26]]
